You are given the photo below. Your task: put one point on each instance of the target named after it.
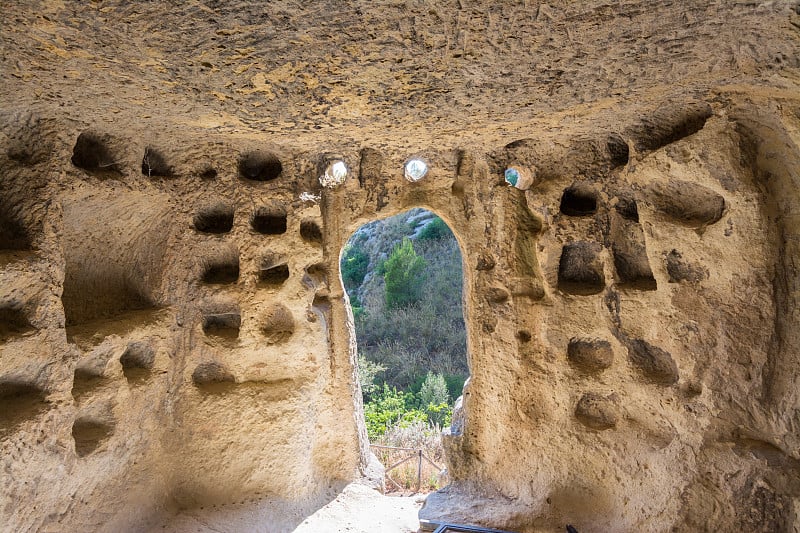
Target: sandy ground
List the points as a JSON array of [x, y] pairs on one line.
[[360, 509], [356, 509]]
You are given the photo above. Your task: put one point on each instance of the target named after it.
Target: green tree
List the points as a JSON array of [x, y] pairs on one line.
[[433, 391], [434, 399], [403, 275], [367, 374], [387, 408], [355, 264], [436, 229]]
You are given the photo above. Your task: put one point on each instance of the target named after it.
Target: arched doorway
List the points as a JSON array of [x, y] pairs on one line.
[[404, 279]]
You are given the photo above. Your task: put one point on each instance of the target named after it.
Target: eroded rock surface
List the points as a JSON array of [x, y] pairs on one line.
[[173, 328]]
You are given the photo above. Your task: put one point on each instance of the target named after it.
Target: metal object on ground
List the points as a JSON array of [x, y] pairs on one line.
[[444, 527]]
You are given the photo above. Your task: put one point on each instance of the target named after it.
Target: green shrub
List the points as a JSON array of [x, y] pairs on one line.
[[433, 390], [455, 384], [358, 309], [404, 363], [413, 340], [436, 229], [387, 408], [404, 275], [434, 400], [367, 374], [439, 415], [354, 266]]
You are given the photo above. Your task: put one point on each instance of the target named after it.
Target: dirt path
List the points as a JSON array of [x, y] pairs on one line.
[[360, 509], [357, 509]]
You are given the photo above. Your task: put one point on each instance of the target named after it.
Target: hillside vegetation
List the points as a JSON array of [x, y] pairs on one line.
[[404, 279]]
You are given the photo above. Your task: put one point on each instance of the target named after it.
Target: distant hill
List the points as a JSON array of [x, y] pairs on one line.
[[425, 335]]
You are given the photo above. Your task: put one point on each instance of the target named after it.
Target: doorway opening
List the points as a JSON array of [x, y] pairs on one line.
[[403, 276]]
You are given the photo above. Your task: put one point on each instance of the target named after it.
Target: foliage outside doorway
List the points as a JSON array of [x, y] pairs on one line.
[[404, 278]]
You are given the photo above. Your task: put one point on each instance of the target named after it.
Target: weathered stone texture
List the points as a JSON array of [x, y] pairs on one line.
[[173, 328]]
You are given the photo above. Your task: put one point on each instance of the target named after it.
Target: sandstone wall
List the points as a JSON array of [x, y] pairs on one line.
[[166, 338], [632, 365], [173, 329]]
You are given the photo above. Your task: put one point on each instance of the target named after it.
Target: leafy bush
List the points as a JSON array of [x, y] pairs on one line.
[[354, 266], [413, 340], [403, 363], [367, 374], [355, 305], [436, 229], [434, 399], [404, 275], [439, 415], [455, 384], [388, 408], [433, 391]]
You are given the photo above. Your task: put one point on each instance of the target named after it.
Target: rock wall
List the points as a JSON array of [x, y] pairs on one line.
[[173, 329], [166, 337], [627, 338]]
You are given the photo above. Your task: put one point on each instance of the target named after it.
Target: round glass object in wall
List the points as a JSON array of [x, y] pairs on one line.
[[335, 174], [519, 177], [415, 169]]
